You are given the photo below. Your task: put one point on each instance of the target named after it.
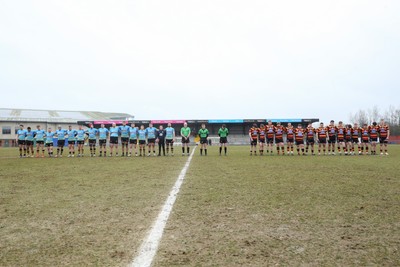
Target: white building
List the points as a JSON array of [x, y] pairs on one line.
[[10, 119]]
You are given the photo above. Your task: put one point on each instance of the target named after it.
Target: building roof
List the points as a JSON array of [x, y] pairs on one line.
[[58, 116]]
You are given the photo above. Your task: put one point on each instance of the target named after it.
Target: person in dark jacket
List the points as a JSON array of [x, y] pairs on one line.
[[161, 140]]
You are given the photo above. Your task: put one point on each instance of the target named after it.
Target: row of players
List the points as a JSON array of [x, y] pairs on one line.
[[346, 137], [131, 138]]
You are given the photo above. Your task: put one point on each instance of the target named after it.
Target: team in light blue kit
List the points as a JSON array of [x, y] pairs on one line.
[[124, 132], [92, 133], [61, 135], [20, 138], [114, 132], [80, 139], [103, 135], [71, 141], [49, 141], [151, 138], [39, 137], [30, 137], [133, 136], [142, 140]]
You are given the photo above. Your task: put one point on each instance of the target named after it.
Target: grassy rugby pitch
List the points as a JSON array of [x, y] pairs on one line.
[[231, 211]]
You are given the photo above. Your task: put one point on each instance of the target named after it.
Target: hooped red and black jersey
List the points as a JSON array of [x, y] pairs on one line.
[[254, 133], [322, 132], [383, 131], [356, 132], [373, 131], [290, 132], [341, 132], [270, 130], [365, 134], [279, 131], [261, 133], [299, 134], [332, 131], [310, 132]]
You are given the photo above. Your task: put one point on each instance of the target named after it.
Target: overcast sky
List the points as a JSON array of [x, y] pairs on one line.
[[209, 59]]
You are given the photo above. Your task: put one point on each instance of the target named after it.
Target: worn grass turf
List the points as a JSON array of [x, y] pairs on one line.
[[273, 210], [79, 211]]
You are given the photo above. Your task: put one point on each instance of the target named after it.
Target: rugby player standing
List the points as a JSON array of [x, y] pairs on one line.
[[151, 139], [290, 131], [60, 133], [261, 138], [373, 134], [384, 134], [332, 131], [142, 140], [114, 132], [203, 133], [160, 135], [279, 130], [253, 134], [310, 132], [348, 139], [169, 138], [185, 133], [103, 136], [124, 130], [71, 141], [29, 141], [321, 136], [20, 140], [92, 133], [270, 132], [356, 131], [39, 137], [340, 137], [223, 133], [80, 139], [365, 139], [299, 133], [49, 142], [133, 136]]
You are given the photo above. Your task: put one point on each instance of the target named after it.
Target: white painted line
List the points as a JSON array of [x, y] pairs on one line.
[[149, 247]]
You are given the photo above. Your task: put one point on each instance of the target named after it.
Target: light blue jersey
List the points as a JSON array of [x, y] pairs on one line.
[[21, 134], [133, 133], [30, 135], [39, 135], [124, 130], [92, 132], [114, 131], [170, 133], [142, 135], [103, 132], [151, 132], [71, 135], [49, 137], [80, 135], [61, 134]]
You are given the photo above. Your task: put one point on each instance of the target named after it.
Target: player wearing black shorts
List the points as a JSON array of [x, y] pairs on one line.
[[332, 132], [310, 132], [290, 131], [253, 134], [321, 137], [299, 132], [20, 139], [223, 133], [384, 134], [203, 134], [169, 138]]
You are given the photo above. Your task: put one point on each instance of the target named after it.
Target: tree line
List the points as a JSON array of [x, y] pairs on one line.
[[391, 116]]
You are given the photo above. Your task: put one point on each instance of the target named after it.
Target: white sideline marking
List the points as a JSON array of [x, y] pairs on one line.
[[149, 247]]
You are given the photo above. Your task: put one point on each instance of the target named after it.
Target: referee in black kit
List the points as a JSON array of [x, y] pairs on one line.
[[160, 135]]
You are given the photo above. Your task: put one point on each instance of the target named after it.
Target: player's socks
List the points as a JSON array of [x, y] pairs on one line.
[[205, 151], [225, 150], [183, 150], [188, 149], [201, 152], [220, 150]]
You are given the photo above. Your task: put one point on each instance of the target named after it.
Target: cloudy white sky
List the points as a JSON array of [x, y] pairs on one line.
[[209, 59]]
